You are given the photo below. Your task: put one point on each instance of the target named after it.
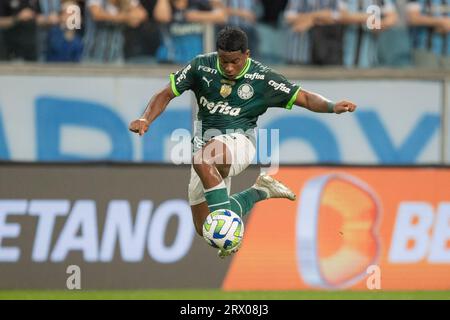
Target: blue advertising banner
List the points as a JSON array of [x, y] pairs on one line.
[[85, 118]]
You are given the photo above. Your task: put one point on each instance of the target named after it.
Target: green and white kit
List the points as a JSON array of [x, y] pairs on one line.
[[230, 106]]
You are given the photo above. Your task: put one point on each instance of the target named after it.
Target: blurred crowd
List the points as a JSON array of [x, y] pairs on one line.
[[350, 33]]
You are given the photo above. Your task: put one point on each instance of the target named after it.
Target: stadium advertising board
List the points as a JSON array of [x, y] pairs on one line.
[[447, 133], [130, 227], [86, 119], [125, 227], [348, 225], [387, 128]]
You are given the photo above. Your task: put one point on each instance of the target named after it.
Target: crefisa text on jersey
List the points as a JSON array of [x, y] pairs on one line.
[[254, 76], [220, 107], [279, 86]]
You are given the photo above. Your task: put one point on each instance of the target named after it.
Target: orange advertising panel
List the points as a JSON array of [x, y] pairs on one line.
[[350, 228]]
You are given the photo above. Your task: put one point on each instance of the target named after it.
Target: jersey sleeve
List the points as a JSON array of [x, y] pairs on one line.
[[280, 92], [184, 79]]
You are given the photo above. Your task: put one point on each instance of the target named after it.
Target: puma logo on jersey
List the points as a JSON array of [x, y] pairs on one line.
[[279, 86], [220, 107], [207, 81]]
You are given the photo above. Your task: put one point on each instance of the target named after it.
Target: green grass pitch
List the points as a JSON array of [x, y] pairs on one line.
[[222, 295]]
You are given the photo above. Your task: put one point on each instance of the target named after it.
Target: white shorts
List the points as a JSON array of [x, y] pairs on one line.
[[242, 151]]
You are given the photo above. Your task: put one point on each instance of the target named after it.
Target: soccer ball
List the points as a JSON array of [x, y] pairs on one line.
[[223, 229]]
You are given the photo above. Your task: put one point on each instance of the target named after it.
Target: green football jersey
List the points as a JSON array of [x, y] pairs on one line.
[[229, 105]]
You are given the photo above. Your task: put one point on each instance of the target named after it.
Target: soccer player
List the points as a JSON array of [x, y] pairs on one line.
[[232, 91]]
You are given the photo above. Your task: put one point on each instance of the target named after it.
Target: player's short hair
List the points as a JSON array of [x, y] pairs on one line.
[[232, 39]]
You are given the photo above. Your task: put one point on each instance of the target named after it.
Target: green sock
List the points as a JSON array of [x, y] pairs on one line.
[[217, 197], [242, 202]]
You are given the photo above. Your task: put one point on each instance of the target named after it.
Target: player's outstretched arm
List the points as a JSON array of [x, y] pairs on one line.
[[155, 107], [316, 103]]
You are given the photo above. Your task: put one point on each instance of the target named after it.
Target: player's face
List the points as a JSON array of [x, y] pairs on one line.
[[232, 62]]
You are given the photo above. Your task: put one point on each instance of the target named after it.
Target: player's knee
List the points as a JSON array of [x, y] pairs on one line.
[[200, 163], [202, 166], [224, 170], [198, 168]]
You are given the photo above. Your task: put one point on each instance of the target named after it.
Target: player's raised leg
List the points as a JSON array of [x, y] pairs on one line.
[[211, 174], [265, 187], [209, 187], [211, 165]]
